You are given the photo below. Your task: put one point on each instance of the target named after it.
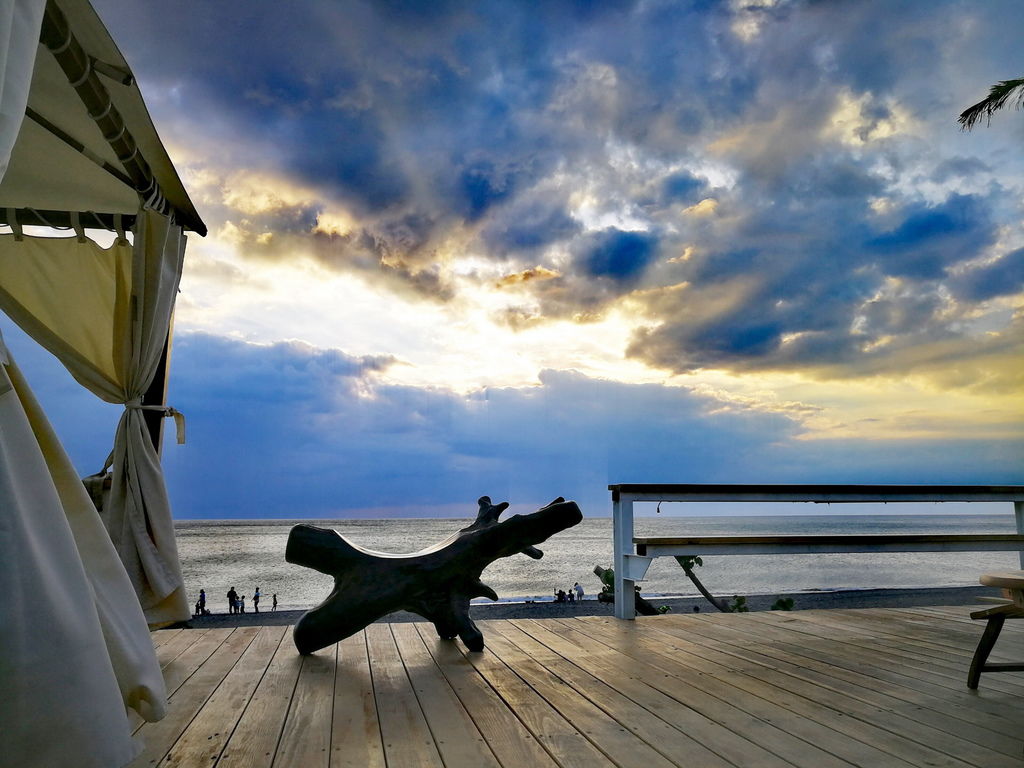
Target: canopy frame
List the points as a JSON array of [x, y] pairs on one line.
[[57, 36]]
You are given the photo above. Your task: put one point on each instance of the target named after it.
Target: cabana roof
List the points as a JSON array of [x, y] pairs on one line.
[[62, 162]]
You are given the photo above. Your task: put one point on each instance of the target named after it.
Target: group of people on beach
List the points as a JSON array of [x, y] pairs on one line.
[[236, 603], [575, 593]]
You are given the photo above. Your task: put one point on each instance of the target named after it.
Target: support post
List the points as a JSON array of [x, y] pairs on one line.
[[1018, 512], [622, 537], [157, 395]]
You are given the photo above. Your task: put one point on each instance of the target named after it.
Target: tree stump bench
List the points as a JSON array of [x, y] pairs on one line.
[[437, 583]]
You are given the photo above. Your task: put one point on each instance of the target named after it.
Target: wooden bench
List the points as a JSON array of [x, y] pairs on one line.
[[1010, 607], [633, 555]]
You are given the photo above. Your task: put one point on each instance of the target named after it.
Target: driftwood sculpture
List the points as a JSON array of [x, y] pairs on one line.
[[437, 583]]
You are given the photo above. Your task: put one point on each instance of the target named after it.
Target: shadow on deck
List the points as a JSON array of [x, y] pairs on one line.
[[871, 687]]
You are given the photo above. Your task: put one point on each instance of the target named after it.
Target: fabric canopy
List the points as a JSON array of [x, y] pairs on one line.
[[105, 314], [74, 643], [48, 173], [19, 33], [74, 647]]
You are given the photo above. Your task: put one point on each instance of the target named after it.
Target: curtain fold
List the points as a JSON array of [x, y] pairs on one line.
[[74, 646], [20, 22], [105, 314]]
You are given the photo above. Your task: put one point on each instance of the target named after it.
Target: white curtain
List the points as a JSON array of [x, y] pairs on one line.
[[20, 21], [105, 314], [74, 646]]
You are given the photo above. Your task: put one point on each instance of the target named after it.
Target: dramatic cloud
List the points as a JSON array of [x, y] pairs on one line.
[[751, 226]]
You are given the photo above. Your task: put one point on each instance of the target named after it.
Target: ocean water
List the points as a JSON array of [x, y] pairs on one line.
[[219, 554]]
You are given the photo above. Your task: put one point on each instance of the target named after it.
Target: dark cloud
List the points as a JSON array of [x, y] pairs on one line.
[[529, 225], [684, 187], [958, 168], [930, 238], [1002, 277], [617, 255], [288, 430], [804, 293]]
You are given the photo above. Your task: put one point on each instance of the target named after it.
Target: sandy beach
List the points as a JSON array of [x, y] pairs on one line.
[[856, 598]]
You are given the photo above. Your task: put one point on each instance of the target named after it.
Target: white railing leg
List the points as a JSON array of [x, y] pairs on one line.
[[622, 542], [1018, 512]]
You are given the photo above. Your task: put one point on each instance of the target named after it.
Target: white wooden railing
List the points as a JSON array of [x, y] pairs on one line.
[[634, 555]]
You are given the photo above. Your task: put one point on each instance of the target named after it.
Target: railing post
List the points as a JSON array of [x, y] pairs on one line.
[[622, 541], [1018, 512]]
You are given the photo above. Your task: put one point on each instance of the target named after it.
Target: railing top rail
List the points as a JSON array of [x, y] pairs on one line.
[[841, 538], [819, 493]]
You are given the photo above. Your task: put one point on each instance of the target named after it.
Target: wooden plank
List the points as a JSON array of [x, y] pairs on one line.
[[560, 737], [957, 713], [355, 732], [187, 652], [457, 738], [868, 661], [662, 546], [507, 737], [929, 728], [204, 739], [900, 654], [902, 737], [184, 665], [159, 737], [814, 492], [669, 726], [868, 724], [254, 740], [177, 643], [880, 671], [306, 735], [663, 696], [161, 636], [404, 730], [674, 662], [608, 733]]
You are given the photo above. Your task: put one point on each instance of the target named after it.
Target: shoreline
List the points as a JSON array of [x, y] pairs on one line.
[[823, 599]]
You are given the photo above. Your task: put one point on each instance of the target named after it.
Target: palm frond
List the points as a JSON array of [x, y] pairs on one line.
[[997, 97]]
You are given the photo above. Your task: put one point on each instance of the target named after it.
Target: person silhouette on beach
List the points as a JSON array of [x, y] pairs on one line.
[[241, 604], [579, 590], [232, 601], [273, 606], [256, 600]]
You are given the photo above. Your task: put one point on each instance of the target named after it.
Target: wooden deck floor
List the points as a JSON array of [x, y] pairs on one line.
[[878, 688]]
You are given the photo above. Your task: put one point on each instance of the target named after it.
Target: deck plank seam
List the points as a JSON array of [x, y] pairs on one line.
[[559, 710], [168, 747], [525, 626], [804, 702], [558, 714], [376, 711], [423, 709], [795, 671], [421, 628], [288, 711], [889, 649], [248, 701], [725, 683]]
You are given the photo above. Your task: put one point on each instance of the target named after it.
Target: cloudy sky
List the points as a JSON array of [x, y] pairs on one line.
[[527, 249]]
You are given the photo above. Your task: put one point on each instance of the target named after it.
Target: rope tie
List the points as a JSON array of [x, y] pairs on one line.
[[167, 411]]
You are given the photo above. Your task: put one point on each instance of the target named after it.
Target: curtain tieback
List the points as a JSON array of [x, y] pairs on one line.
[[168, 412]]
